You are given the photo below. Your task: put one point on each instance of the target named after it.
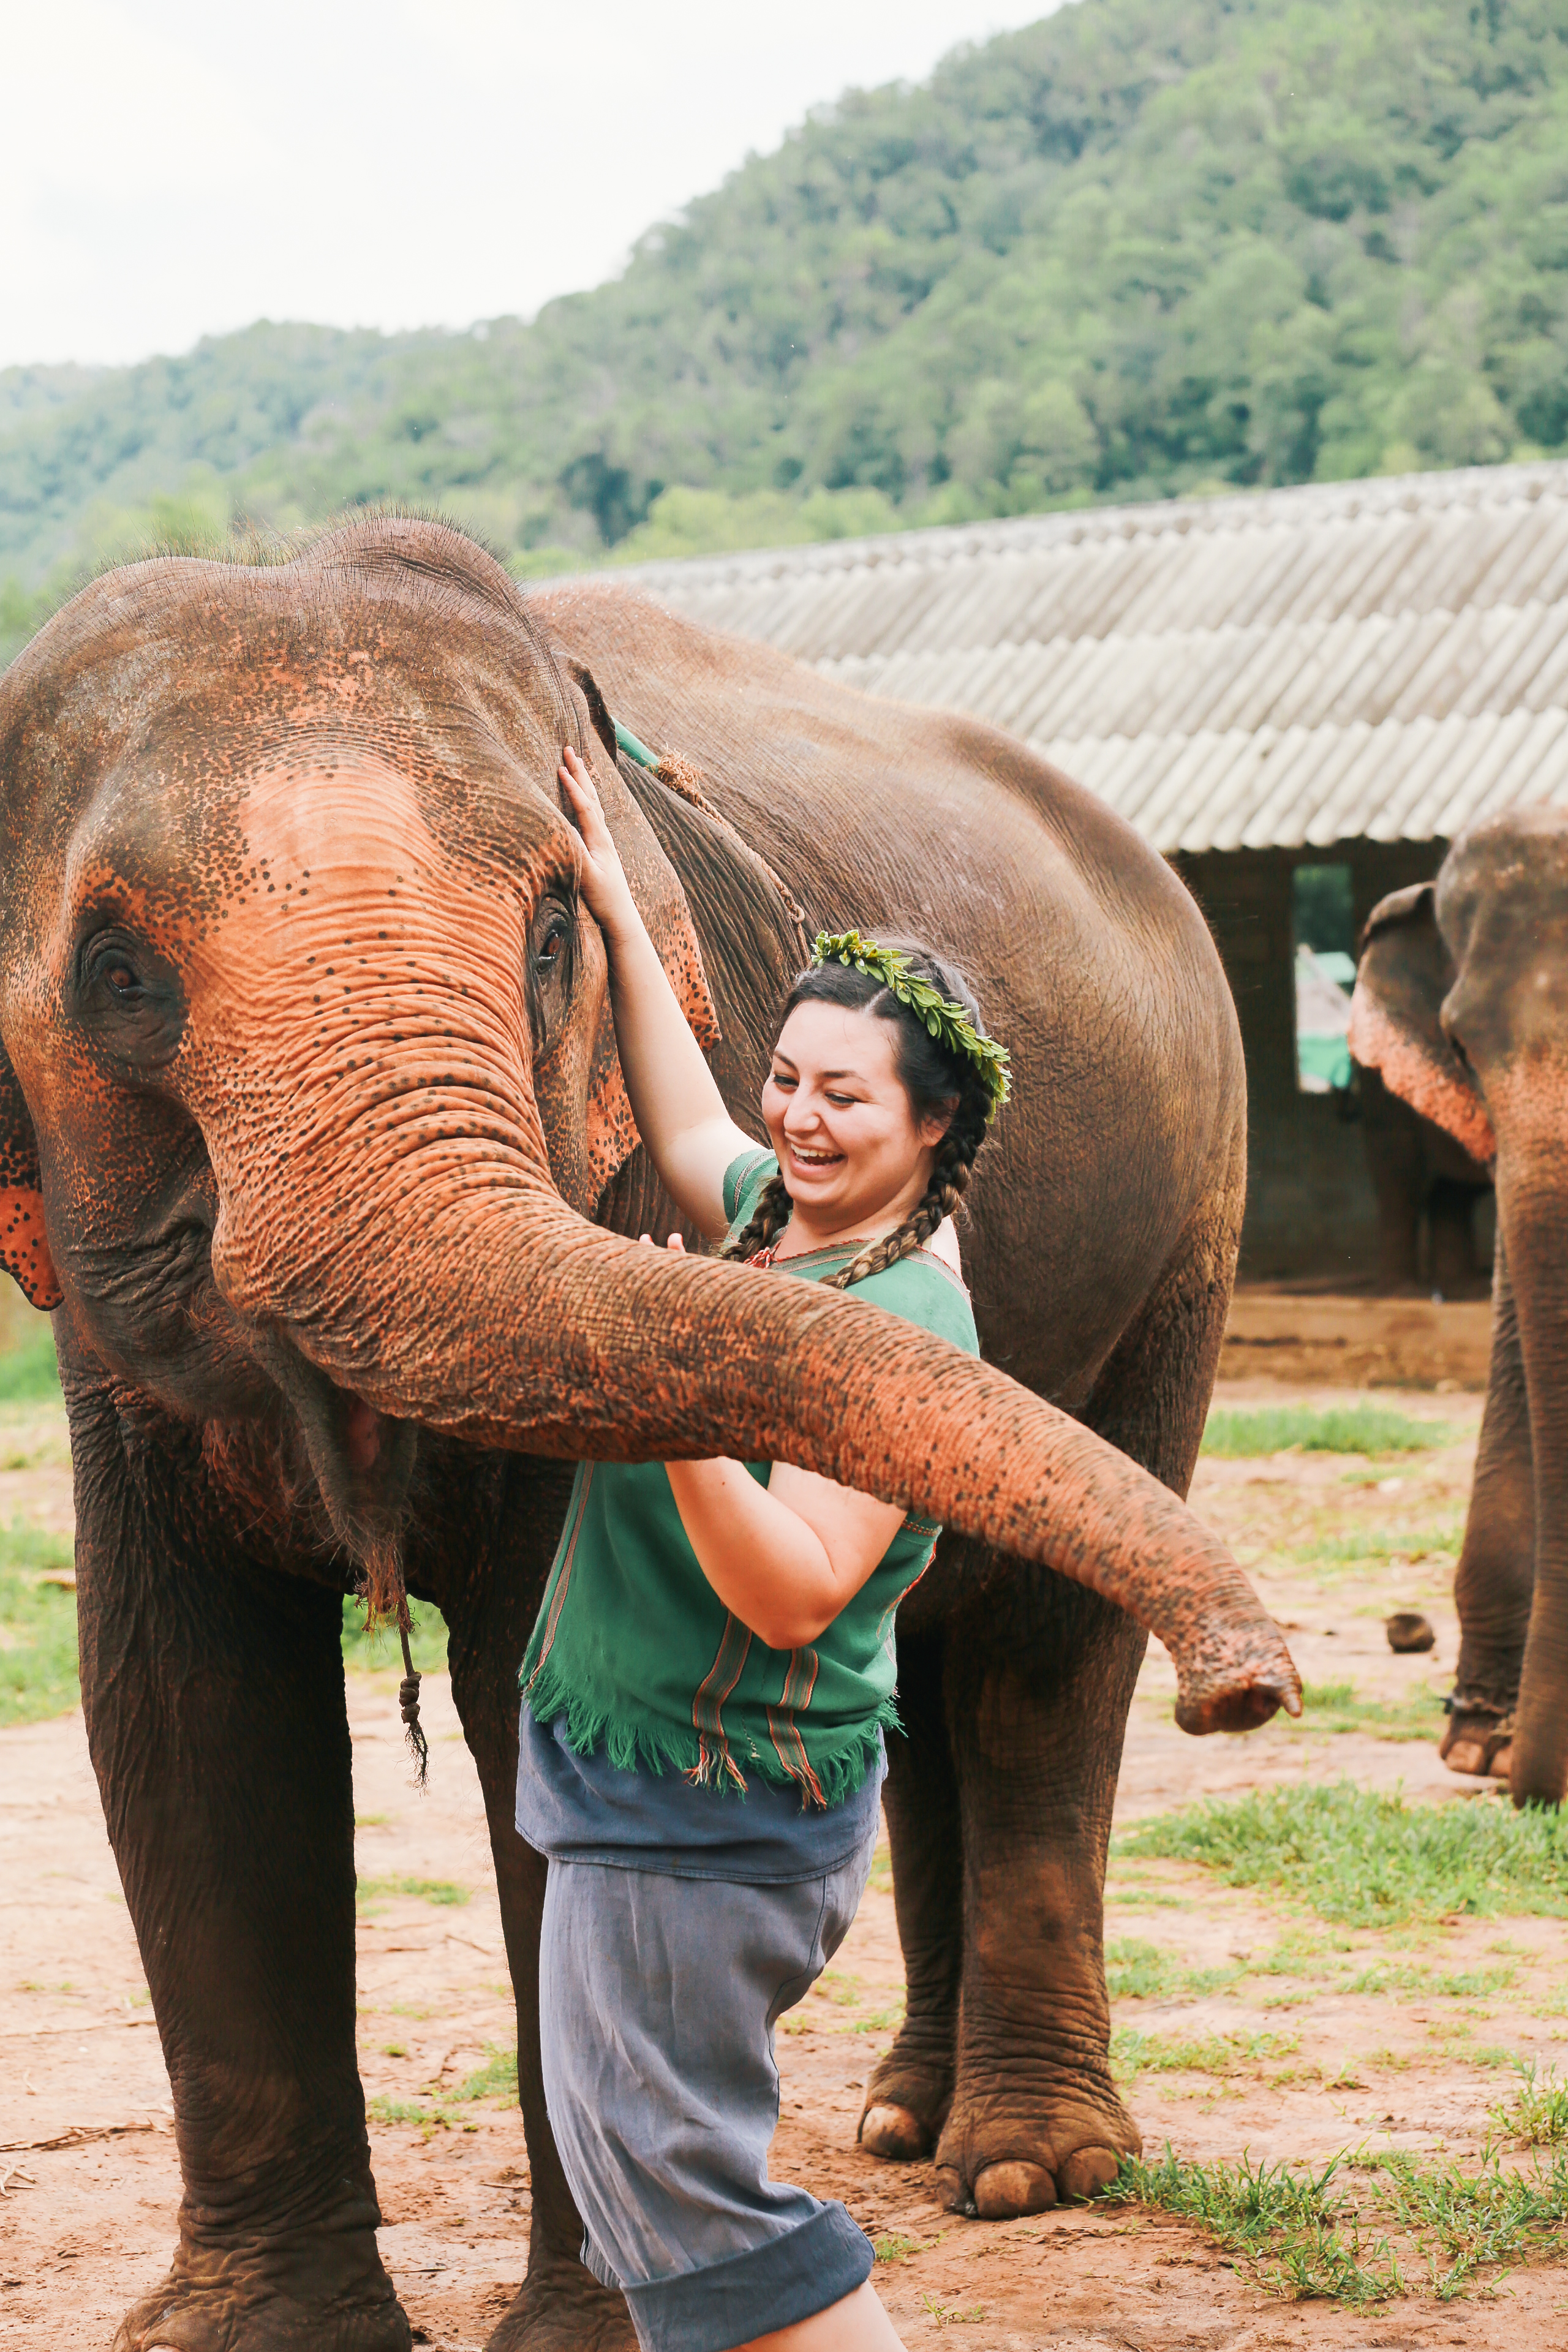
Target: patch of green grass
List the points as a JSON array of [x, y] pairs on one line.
[[1302, 2232], [1235, 1435], [408, 2111], [373, 1653], [496, 2079], [1370, 1859], [1225, 2055], [1135, 1970], [894, 2248], [947, 2315], [438, 2110], [1477, 2213], [37, 1627], [1282, 2220], [29, 1374], [1427, 1984], [1339, 1707], [880, 2020], [424, 1890], [1537, 2113], [1379, 1543]]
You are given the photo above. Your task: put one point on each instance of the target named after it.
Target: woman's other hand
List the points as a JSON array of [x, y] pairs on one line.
[[605, 890]]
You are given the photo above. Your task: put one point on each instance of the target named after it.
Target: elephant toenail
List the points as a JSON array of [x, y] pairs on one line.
[[892, 2131], [1003, 2191], [1089, 2170], [951, 2193]]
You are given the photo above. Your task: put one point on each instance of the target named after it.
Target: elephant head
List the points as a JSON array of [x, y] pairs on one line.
[[313, 1086], [1459, 1003]]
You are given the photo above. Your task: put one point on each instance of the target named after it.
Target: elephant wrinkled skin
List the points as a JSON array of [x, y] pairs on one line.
[[312, 1133], [1459, 1002]]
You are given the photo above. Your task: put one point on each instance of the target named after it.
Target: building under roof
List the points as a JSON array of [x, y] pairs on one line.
[[1299, 696]]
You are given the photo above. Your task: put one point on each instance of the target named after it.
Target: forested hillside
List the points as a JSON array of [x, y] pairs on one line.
[[1142, 247]]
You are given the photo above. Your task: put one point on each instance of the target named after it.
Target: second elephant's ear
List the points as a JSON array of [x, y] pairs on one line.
[[24, 1244], [1404, 974]]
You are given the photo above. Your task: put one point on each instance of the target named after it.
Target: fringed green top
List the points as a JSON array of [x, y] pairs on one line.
[[636, 1652]]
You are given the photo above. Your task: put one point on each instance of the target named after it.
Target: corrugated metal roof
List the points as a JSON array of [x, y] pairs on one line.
[[1286, 668]]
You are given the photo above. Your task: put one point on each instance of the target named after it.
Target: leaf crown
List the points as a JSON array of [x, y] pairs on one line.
[[944, 1020]]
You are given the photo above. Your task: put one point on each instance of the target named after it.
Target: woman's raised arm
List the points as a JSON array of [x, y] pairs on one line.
[[680, 1115]]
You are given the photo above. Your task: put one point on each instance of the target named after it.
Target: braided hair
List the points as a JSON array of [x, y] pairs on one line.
[[932, 1077]]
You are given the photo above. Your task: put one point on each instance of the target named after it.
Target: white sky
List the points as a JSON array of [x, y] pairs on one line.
[[174, 168]]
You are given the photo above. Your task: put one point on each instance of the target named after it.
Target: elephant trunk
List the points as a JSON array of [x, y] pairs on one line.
[[526, 1327], [1530, 1222]]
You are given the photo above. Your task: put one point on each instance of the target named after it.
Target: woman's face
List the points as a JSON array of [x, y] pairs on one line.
[[840, 1121]]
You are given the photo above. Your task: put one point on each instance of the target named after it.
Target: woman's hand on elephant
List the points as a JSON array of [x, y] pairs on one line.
[[679, 1112], [605, 890]]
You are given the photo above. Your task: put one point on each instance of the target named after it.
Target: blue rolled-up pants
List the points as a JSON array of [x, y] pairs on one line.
[[658, 1999]]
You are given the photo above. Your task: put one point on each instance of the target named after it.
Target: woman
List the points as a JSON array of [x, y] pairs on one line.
[[706, 1688]]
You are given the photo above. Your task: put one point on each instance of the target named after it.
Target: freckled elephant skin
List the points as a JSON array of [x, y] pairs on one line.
[[310, 1121], [1461, 1001]]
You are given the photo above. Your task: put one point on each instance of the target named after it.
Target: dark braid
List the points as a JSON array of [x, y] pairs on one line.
[[769, 1218], [931, 1076]]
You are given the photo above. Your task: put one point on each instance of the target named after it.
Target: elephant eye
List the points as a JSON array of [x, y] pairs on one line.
[[552, 946], [112, 968]]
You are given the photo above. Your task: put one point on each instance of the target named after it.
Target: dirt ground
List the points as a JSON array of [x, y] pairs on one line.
[[87, 2161]]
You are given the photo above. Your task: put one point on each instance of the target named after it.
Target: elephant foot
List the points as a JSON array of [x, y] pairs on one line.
[[999, 2166], [229, 2314], [1479, 1741], [561, 2307], [906, 2100]]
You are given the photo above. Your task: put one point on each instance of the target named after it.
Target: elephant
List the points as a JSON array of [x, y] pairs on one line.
[[314, 1141], [1418, 1172], [1459, 1003]]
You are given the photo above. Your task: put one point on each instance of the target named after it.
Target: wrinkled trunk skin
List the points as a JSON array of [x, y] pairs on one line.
[[537, 1331], [1530, 1220]]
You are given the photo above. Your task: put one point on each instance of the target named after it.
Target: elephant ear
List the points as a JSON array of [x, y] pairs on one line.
[[1402, 976], [24, 1244], [611, 1135]]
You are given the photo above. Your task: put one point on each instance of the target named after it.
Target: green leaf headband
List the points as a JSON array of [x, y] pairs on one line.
[[946, 1021]]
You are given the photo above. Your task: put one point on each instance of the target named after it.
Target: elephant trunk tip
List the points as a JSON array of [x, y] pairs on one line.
[[1237, 1695]]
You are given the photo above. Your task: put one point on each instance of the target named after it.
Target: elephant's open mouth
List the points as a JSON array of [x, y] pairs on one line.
[[362, 1460]]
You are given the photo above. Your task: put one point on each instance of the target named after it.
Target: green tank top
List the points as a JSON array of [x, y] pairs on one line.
[[635, 1649]]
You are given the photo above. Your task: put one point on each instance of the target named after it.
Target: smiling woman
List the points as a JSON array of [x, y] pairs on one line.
[[848, 1094], [722, 1629]]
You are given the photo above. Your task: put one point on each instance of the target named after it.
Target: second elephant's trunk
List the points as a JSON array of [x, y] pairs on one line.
[[1535, 1237]]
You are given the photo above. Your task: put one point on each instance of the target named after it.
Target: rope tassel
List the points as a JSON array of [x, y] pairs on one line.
[[408, 1702]]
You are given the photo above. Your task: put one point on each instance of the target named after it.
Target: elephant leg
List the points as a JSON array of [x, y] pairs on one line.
[[910, 2089], [561, 2307], [1495, 1580], [1039, 1679], [216, 1718]]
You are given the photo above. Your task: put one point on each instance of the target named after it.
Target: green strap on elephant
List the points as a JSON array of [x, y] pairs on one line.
[[627, 742]]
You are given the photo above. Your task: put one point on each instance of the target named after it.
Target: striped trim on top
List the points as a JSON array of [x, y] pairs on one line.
[[707, 1706], [800, 1681]]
